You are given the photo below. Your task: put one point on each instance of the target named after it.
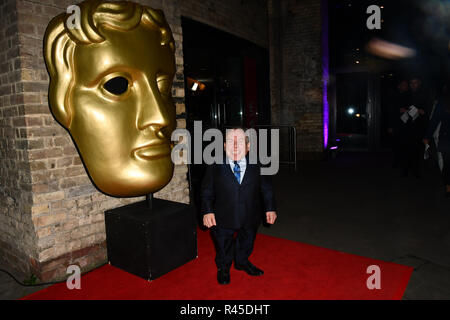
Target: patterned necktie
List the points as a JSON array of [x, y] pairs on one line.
[[237, 172]]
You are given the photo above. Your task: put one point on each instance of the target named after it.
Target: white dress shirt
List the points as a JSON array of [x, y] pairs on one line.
[[242, 164]]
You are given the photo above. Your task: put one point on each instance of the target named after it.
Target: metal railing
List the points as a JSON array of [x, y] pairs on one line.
[[291, 142]]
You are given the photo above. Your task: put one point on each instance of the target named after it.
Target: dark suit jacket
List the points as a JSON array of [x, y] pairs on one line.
[[236, 205], [421, 100], [399, 100], [442, 116]]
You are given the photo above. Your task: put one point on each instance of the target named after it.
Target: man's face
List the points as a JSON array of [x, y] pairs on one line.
[[414, 84], [403, 86], [123, 114], [235, 144]]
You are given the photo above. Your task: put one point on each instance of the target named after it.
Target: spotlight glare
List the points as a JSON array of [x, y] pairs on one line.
[[389, 50]]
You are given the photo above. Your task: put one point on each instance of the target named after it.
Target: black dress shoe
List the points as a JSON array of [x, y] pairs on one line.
[[223, 276], [250, 269]]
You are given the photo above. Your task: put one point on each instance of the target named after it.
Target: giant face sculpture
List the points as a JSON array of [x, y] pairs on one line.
[[110, 87]]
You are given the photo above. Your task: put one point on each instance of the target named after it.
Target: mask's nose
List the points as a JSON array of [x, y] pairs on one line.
[[152, 111]]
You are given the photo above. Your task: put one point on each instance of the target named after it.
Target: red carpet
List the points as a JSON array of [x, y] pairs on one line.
[[293, 271]]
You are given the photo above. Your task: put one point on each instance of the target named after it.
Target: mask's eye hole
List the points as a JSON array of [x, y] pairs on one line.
[[164, 84], [117, 85]]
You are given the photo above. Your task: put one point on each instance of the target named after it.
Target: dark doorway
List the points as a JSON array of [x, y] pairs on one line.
[[351, 109], [235, 75], [226, 84]]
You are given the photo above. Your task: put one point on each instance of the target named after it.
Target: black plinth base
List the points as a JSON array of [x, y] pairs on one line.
[[148, 243]]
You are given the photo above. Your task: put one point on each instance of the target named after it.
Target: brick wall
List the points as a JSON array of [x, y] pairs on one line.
[[17, 237], [296, 71], [52, 215], [247, 19]]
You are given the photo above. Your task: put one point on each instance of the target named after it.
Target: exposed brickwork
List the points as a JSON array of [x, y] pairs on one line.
[[245, 19], [296, 71], [55, 269], [17, 236], [48, 197]]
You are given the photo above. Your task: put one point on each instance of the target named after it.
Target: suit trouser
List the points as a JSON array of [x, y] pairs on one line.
[[446, 168], [412, 156], [228, 247], [396, 148]]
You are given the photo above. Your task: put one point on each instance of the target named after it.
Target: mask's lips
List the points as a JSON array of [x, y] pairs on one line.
[[152, 150]]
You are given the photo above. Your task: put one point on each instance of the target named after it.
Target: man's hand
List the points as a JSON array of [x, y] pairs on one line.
[[403, 110], [271, 216], [426, 141], [421, 111], [209, 220]]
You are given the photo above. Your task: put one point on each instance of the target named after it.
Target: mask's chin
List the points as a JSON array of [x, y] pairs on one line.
[[137, 178]]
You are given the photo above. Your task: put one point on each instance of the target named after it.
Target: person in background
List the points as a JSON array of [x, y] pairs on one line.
[[398, 105], [442, 115], [413, 130]]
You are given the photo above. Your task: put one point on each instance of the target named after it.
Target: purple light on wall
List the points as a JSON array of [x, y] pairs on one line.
[[325, 71], [326, 112], [334, 148]]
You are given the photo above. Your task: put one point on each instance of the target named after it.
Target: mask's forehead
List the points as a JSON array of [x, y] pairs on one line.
[[138, 49]]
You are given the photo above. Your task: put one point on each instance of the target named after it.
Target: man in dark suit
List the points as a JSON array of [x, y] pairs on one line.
[[234, 195], [398, 105], [413, 131]]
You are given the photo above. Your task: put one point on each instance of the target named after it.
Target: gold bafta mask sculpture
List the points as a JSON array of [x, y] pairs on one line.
[[110, 87]]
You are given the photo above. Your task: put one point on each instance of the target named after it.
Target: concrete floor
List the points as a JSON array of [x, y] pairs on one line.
[[9, 289], [357, 203]]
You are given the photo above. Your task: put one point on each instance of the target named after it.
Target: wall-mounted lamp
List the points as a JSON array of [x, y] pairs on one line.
[[195, 85]]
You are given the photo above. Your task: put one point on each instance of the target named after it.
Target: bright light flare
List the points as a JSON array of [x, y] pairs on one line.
[[389, 50]]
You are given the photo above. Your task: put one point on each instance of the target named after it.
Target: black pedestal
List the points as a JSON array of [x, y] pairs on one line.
[[150, 243]]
